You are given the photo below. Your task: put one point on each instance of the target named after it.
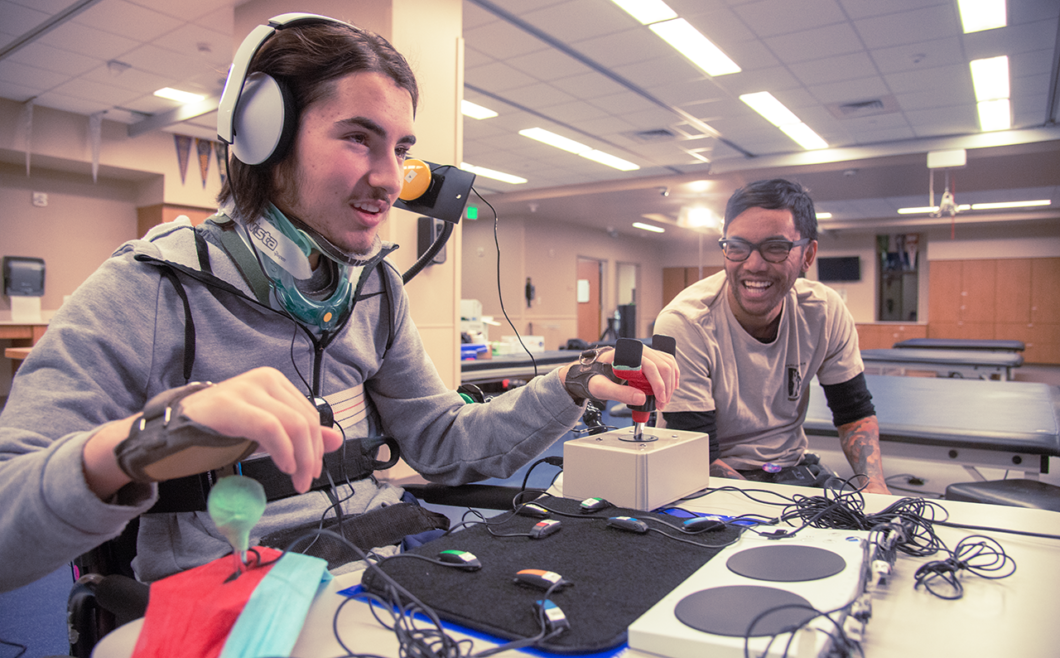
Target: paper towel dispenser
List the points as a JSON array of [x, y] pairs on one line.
[[23, 276]]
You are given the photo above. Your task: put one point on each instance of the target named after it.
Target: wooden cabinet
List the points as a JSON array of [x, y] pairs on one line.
[[676, 279], [883, 335], [1006, 299]]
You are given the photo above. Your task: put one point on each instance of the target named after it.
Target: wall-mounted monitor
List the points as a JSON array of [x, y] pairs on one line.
[[839, 268], [23, 276]]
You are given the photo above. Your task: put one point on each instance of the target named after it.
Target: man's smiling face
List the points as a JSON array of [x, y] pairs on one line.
[[757, 287]]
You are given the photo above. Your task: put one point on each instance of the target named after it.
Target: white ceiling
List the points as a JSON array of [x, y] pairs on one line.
[[586, 70]]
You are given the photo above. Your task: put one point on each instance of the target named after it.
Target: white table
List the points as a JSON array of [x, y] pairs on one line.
[[1011, 617]]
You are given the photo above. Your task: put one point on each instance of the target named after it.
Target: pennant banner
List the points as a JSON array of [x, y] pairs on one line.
[[183, 153], [203, 148], [221, 169]]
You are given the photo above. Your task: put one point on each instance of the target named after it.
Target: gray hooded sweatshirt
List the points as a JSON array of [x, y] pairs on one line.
[[121, 339]]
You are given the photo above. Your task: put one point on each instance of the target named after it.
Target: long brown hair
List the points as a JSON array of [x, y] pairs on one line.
[[306, 60]]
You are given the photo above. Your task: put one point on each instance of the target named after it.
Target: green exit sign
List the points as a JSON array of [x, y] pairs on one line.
[[471, 212]]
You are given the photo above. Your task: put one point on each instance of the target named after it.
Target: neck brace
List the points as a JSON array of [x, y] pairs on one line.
[[286, 250]]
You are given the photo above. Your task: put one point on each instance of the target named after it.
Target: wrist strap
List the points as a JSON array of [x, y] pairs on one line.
[[579, 374], [164, 444]]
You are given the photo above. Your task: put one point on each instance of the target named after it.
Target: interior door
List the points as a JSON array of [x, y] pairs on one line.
[[589, 310]]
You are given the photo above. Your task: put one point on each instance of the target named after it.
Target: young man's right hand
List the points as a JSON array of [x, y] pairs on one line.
[[261, 405]]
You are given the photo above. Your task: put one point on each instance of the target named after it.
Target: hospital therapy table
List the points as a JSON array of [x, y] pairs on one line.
[[514, 366], [972, 423], [944, 362], [989, 345]]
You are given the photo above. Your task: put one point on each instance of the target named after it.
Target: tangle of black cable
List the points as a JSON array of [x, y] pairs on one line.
[[977, 554]]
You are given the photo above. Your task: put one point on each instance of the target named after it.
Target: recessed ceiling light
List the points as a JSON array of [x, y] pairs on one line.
[[929, 209], [780, 116], [185, 97], [577, 148], [699, 50], [475, 111], [990, 78], [804, 136], [1012, 204], [979, 15], [769, 107], [492, 173], [647, 11], [648, 227], [995, 115]]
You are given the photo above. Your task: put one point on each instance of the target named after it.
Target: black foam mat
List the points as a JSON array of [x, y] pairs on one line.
[[617, 575]]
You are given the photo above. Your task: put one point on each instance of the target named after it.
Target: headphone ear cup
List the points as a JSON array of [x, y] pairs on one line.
[[264, 121]]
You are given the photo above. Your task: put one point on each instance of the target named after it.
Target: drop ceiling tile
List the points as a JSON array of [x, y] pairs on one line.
[[497, 77], [627, 47], [473, 16], [74, 105], [1029, 11], [86, 40], [223, 21], [19, 19], [954, 79], [850, 90], [503, 40], [16, 92], [605, 126], [49, 7], [153, 59], [588, 85], [929, 99], [1030, 111], [915, 26], [684, 94], [570, 21], [956, 120], [856, 9], [29, 76], [51, 58], [774, 17], [924, 54], [650, 73], [213, 48], [133, 79], [750, 55], [115, 16], [473, 58], [185, 10], [648, 119], [776, 79], [1023, 38], [94, 91], [817, 43], [884, 134], [625, 101], [574, 111], [1036, 62], [538, 96], [548, 65], [834, 69], [717, 22]]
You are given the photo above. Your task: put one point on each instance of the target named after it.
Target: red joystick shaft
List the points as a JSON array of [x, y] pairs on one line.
[[635, 378]]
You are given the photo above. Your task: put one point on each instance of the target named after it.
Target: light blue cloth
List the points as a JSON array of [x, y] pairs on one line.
[[275, 613]]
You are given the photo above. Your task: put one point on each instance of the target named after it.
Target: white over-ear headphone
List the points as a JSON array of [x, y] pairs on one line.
[[256, 115]]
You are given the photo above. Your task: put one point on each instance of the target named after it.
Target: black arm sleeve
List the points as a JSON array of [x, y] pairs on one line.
[[848, 401], [696, 421]]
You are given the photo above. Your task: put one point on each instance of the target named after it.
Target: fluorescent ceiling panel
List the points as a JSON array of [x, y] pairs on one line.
[[691, 43], [492, 173], [979, 15], [647, 11]]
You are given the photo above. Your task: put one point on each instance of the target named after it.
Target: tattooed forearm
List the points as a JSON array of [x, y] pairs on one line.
[[722, 470], [861, 445]]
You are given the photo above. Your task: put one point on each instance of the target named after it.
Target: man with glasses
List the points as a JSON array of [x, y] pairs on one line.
[[751, 339]]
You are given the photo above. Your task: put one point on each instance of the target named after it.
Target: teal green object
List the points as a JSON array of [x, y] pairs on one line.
[[235, 504], [274, 614]]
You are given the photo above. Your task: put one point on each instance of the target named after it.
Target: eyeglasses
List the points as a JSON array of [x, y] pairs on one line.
[[773, 251]]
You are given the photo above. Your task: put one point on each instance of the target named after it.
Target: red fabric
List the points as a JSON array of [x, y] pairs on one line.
[[191, 613]]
